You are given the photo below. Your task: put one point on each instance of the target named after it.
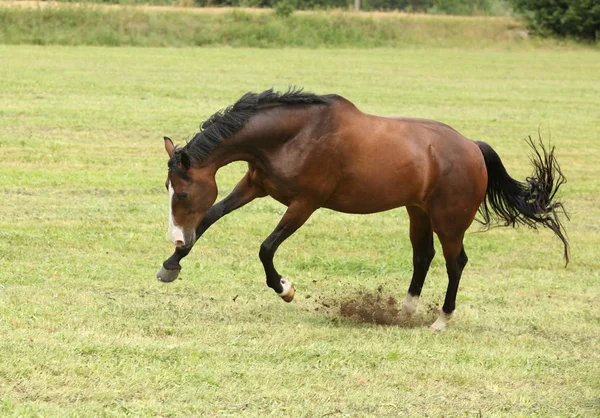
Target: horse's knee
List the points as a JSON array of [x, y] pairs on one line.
[[265, 253]]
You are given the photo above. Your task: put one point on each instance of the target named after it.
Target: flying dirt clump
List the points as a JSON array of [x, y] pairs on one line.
[[376, 308]]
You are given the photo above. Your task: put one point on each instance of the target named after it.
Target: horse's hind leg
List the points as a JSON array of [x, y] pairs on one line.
[[451, 215], [421, 238], [462, 258], [456, 260]]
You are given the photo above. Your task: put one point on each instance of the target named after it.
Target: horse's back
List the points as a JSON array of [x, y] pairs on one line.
[[392, 162]]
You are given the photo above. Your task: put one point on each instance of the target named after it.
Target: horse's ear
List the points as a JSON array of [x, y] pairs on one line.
[[185, 161], [169, 147]]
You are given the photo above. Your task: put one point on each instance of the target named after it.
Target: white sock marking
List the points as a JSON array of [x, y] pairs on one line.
[[410, 304], [442, 321], [287, 287]]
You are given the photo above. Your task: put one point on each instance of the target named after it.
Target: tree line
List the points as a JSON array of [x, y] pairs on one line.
[[569, 18]]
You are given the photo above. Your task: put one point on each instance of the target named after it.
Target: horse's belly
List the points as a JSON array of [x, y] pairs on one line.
[[375, 195], [366, 207], [385, 172]]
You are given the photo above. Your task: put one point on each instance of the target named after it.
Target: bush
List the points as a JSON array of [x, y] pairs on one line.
[[469, 7], [576, 18], [406, 5], [284, 8], [296, 4]]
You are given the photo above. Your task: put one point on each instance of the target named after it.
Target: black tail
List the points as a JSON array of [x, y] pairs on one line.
[[529, 203]]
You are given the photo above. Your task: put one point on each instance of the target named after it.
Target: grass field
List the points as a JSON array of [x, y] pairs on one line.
[[86, 329]]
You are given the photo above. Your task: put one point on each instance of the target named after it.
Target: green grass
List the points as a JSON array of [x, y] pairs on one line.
[[139, 26], [86, 330]]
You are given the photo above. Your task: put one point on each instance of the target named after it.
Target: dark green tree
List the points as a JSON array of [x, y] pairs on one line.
[[576, 18]]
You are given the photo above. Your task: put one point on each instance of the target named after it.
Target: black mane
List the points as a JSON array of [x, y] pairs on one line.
[[226, 122]]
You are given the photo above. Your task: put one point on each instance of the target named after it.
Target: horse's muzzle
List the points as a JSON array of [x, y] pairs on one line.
[[182, 239]]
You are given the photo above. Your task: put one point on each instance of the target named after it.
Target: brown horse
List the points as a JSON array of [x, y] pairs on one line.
[[309, 151]]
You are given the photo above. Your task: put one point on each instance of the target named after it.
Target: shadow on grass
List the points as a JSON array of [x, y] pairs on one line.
[[379, 309]]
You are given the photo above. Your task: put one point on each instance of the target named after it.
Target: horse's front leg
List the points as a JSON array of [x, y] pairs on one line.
[[295, 216], [171, 267], [244, 192]]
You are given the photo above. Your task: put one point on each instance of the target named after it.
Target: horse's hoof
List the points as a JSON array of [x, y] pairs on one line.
[[288, 290], [441, 322], [166, 275], [290, 296]]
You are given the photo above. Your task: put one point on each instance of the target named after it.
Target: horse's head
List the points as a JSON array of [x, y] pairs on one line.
[[192, 191]]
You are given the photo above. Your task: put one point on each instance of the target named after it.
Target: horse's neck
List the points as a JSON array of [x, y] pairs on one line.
[[264, 131]]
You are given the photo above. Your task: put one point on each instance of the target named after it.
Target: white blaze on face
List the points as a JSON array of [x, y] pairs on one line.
[[175, 231]]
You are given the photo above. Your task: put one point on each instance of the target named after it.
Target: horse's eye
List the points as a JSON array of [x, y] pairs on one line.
[[182, 196]]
